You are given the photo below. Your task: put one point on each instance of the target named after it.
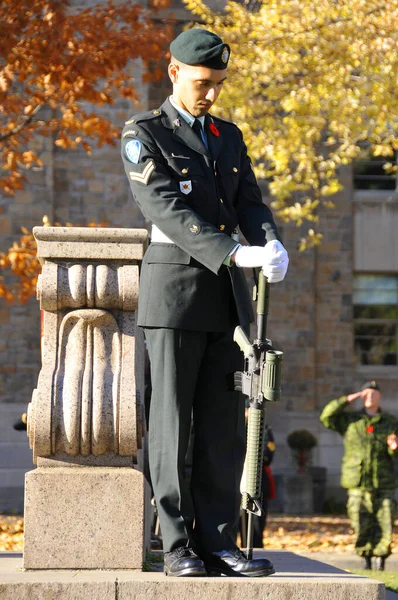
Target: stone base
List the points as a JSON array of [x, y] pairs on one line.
[[296, 578], [298, 494], [85, 518]]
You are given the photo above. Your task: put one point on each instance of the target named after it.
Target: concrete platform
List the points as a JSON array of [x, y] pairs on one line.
[[297, 578]]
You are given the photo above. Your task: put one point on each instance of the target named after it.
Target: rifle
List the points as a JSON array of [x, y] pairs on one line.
[[260, 383]]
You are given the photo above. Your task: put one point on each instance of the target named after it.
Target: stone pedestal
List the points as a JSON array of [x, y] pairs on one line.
[[84, 518], [84, 504]]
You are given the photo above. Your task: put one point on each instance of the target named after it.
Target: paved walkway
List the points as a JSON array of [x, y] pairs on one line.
[[350, 562]]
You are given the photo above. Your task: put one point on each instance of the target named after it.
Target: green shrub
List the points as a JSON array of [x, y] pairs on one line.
[[301, 440]]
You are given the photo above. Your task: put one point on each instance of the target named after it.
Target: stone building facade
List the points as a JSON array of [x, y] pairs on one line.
[[311, 312]]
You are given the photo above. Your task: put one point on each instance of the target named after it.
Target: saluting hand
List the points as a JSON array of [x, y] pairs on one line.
[[354, 396]]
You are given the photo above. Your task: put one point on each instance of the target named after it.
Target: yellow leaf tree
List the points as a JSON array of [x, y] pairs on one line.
[[310, 84]]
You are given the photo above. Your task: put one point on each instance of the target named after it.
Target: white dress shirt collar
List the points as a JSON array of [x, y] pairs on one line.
[[190, 119]]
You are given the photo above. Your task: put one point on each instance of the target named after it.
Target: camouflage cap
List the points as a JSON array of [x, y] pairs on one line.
[[371, 385], [200, 47]]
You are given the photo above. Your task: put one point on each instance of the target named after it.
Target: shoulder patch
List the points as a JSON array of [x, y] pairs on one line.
[[133, 151]]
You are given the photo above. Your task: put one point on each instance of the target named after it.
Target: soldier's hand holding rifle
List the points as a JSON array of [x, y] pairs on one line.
[[272, 258]]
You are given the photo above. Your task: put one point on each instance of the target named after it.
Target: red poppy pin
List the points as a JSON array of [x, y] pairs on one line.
[[214, 129], [370, 429]]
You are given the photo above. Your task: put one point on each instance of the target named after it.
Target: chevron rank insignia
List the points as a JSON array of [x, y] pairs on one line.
[[144, 176], [133, 151]]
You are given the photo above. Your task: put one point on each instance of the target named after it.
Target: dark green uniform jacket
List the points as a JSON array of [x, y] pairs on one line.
[[367, 461], [196, 197]]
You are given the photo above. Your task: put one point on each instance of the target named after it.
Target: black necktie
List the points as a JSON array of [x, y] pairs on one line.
[[197, 127]]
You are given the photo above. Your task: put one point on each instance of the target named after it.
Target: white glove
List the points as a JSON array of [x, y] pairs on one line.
[[250, 256], [276, 261], [272, 258]]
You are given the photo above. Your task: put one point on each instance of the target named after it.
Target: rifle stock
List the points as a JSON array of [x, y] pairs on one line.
[[243, 342]]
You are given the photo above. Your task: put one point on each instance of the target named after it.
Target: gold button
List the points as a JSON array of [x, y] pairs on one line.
[[222, 227], [222, 201], [235, 170], [156, 112], [184, 171]]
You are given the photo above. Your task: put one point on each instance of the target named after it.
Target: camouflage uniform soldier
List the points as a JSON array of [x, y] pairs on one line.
[[370, 442]]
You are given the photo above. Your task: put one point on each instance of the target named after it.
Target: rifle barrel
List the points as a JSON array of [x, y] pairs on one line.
[[262, 306]]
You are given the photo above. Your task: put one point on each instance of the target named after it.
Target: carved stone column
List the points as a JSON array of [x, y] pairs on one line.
[[84, 504]]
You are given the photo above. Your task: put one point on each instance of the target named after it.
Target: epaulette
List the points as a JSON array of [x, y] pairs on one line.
[[144, 116]]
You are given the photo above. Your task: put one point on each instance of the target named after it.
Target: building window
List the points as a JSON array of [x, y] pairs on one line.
[[376, 319], [370, 174]]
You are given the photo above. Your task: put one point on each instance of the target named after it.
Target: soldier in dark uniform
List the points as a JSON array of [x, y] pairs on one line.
[[190, 175], [370, 443]]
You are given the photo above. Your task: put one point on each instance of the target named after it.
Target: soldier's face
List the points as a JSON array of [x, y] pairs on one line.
[[196, 88], [371, 398]]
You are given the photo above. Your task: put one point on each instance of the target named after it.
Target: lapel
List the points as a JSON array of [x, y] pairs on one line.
[[181, 130], [214, 141]]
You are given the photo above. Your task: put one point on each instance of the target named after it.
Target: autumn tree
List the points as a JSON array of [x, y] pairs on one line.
[[310, 84], [55, 56], [58, 64]]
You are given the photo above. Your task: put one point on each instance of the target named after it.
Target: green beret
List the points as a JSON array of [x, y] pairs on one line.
[[200, 47]]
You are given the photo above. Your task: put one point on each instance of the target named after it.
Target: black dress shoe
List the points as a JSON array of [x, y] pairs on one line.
[[234, 563], [368, 563], [380, 563], [183, 562]]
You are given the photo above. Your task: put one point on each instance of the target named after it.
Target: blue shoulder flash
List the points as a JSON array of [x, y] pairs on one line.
[[133, 151]]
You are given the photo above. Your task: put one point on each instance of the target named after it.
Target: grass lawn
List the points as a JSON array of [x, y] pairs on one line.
[[389, 578]]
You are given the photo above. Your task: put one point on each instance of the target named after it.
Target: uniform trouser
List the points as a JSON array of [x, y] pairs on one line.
[[189, 373], [372, 515]]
